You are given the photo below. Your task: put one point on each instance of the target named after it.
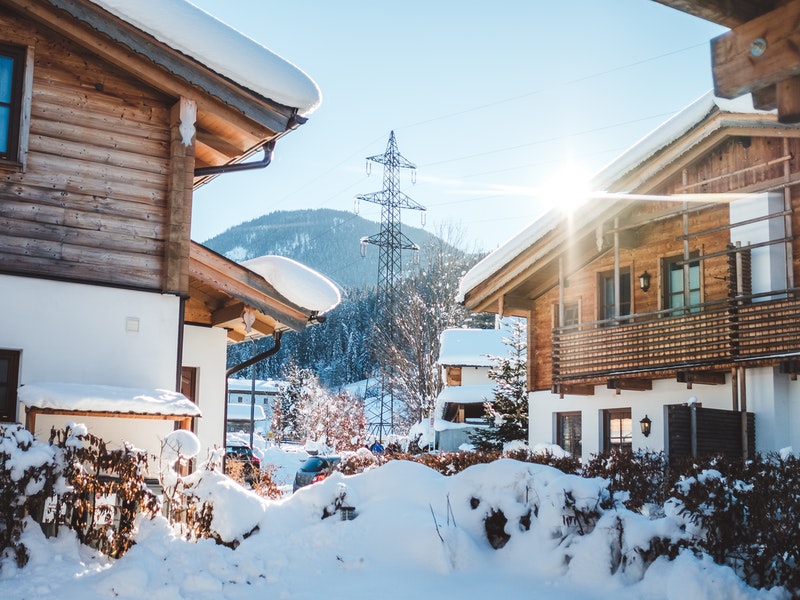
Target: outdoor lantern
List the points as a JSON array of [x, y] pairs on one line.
[[645, 424], [644, 281]]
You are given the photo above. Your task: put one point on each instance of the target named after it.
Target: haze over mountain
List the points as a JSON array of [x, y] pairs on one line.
[[328, 241]]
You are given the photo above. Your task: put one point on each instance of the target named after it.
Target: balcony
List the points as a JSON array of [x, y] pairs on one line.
[[716, 335]]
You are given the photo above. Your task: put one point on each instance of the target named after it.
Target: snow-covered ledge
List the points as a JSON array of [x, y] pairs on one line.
[[104, 401]]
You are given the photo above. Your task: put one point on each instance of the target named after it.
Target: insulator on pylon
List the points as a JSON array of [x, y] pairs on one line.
[[369, 168], [423, 217], [416, 256], [364, 246], [356, 205], [413, 176]]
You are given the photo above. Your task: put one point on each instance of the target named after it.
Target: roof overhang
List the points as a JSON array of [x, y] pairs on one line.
[[233, 122], [509, 279], [222, 292]]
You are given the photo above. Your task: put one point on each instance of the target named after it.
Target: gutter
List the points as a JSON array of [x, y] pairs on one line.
[[268, 148]]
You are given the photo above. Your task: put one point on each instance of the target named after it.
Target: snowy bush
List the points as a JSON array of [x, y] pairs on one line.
[[30, 473], [641, 476]]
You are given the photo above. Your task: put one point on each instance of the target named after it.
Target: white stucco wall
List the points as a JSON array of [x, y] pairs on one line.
[[475, 375], [771, 396], [77, 333], [73, 333], [204, 348], [544, 406]]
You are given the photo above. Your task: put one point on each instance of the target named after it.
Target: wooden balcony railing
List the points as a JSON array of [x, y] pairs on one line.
[[715, 334]]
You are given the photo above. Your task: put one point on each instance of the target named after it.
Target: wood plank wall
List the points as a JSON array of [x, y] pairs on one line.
[[91, 205], [661, 239]]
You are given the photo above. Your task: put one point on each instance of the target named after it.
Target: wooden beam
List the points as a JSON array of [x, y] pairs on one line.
[[635, 384], [722, 12], [32, 412], [179, 197], [572, 389], [759, 53], [701, 377], [789, 100]]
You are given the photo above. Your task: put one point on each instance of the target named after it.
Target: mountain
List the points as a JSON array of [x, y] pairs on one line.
[[328, 241]]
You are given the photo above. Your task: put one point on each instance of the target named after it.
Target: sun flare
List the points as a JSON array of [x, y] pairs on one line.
[[567, 189]]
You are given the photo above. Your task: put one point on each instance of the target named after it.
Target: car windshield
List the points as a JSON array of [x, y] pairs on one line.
[[314, 464]]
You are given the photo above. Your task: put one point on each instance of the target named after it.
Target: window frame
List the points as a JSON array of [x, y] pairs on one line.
[[606, 278], [573, 446], [619, 442], [670, 265], [15, 157], [569, 307], [10, 385]]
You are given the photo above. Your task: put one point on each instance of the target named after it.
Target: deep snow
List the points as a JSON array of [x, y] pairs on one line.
[[416, 533]]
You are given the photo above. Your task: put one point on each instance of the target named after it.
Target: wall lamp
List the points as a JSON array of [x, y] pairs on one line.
[[644, 281], [645, 425]]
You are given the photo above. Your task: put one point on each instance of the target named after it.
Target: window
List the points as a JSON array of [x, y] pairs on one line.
[[12, 68], [572, 314], [617, 429], [608, 301], [674, 296], [9, 379], [568, 432]]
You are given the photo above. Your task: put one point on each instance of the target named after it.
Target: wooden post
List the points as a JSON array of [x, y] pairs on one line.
[[179, 197], [788, 91], [787, 220], [743, 396]]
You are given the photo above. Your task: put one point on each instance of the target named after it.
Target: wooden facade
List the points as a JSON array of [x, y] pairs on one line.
[[722, 160], [117, 131]]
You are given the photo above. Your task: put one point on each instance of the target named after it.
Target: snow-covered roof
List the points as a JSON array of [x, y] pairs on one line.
[[106, 398], [466, 394], [192, 31], [470, 347], [270, 386], [299, 284], [241, 412], [634, 156]]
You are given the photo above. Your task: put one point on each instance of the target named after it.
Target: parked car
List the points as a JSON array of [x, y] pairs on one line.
[[315, 469], [251, 464]]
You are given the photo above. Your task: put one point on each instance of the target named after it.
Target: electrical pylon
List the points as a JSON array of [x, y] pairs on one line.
[[391, 241]]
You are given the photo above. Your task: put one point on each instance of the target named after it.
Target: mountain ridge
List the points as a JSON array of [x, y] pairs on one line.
[[326, 240]]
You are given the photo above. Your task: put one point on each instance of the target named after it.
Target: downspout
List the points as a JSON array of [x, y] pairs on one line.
[[276, 335], [268, 148]]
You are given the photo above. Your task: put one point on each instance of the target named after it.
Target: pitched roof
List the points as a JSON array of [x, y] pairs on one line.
[[197, 34], [613, 177]]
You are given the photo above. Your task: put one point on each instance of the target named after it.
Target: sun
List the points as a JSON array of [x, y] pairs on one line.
[[567, 189]]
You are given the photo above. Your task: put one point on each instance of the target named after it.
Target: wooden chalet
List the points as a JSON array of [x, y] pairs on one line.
[[110, 118], [684, 281], [670, 298]]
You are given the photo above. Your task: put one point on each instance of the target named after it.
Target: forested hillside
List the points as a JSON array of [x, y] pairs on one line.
[[351, 345], [328, 241]]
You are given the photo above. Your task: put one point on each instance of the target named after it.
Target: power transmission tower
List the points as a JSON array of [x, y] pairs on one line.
[[391, 241]]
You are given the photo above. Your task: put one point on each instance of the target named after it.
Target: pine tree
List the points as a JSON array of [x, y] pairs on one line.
[[506, 418]]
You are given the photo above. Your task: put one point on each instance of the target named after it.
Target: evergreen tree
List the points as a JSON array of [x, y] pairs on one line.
[[506, 418]]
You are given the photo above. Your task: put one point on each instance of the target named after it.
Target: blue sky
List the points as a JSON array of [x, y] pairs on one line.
[[497, 103]]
